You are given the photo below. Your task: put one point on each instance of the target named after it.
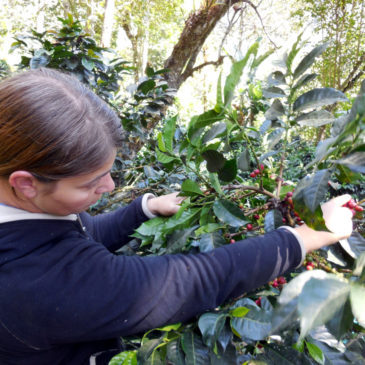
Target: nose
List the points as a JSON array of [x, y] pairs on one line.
[[106, 185]]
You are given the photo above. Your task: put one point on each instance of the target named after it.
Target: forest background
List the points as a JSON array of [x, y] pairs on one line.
[[255, 111]]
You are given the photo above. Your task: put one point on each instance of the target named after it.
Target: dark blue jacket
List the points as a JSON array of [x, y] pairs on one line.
[[64, 295]]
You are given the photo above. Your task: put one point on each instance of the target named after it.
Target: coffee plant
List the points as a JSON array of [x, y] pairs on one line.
[[69, 48], [244, 170]]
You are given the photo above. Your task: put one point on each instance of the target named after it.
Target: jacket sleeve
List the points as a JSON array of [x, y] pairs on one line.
[[114, 228], [99, 295]]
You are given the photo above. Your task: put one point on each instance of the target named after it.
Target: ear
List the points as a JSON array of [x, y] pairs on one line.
[[24, 182]]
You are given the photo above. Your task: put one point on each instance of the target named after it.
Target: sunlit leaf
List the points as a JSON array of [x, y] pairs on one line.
[[216, 130], [273, 92], [236, 71], [190, 188], [319, 300], [243, 162], [276, 110], [309, 59], [124, 358], [315, 118], [175, 353], [357, 296], [355, 162], [318, 97]]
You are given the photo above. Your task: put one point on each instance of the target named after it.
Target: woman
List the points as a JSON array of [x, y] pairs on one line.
[[64, 295]]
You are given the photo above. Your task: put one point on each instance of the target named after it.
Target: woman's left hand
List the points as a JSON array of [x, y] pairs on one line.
[[165, 205]]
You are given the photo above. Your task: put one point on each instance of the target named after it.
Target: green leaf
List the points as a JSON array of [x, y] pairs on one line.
[[342, 321], [295, 286], [319, 300], [163, 157], [318, 97], [276, 110], [88, 64], [39, 61], [215, 160], [243, 162], [151, 226], [355, 162], [305, 79], [195, 351], [315, 118], [229, 213], [161, 143], [274, 137], [357, 296], [282, 355], [309, 59], [207, 228], [229, 171], [146, 86], [360, 265], [211, 326], [315, 352], [276, 78], [236, 71], [191, 188], [293, 52], [216, 130], [354, 245], [168, 133], [124, 358], [198, 122], [315, 193], [255, 325], [239, 312], [285, 316], [219, 103], [273, 220], [170, 327], [175, 353], [273, 92], [178, 239], [213, 178], [209, 241]]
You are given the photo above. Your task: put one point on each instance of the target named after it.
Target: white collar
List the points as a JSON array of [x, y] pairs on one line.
[[9, 214]]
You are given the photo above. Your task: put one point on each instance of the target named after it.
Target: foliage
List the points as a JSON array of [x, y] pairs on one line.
[[340, 23], [234, 173], [73, 50]]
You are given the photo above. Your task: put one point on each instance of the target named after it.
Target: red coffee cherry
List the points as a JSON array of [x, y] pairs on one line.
[[249, 227], [256, 216], [258, 301], [253, 174], [359, 208], [275, 284], [257, 171], [262, 167], [281, 280], [232, 241]]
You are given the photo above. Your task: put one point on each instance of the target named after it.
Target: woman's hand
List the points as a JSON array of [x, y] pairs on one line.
[[338, 220], [165, 205]]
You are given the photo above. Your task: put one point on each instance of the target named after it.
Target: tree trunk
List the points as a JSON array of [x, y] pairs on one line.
[[108, 23], [197, 28]]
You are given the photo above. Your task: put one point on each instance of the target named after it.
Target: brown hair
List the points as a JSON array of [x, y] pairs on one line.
[[53, 126]]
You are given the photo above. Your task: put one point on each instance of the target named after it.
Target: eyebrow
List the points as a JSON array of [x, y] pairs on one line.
[[97, 178]]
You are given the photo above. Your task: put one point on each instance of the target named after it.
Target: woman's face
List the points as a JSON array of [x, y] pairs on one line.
[[75, 194]]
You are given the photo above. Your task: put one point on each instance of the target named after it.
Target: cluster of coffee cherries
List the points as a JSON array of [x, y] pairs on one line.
[[278, 282], [256, 172], [289, 200], [353, 206]]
